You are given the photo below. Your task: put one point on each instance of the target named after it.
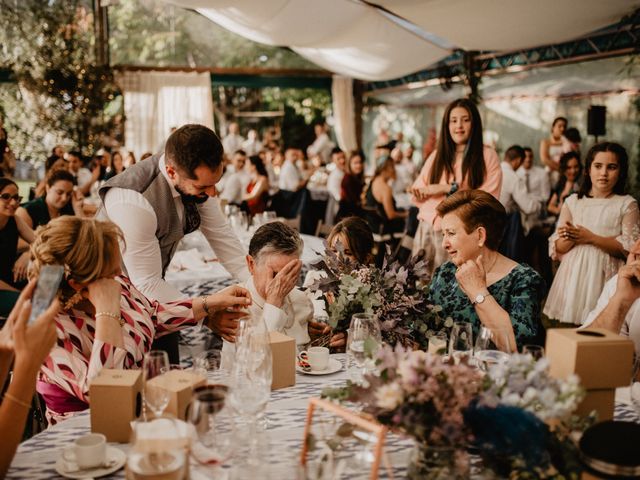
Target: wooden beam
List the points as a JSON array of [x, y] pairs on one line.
[[274, 72]]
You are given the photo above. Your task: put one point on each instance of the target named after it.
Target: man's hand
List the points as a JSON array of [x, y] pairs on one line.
[[284, 281], [225, 324], [628, 284]]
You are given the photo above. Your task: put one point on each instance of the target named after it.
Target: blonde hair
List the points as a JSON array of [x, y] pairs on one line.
[[87, 249]]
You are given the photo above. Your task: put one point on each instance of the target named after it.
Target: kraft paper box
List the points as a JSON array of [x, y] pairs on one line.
[[115, 400], [180, 385], [602, 401], [602, 359], [283, 351]]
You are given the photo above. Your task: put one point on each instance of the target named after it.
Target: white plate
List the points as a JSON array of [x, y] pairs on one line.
[[115, 455], [333, 366]]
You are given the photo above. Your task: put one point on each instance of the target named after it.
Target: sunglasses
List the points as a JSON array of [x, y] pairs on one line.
[[7, 197]]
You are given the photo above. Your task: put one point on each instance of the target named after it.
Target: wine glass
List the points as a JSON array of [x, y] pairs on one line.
[[214, 425], [486, 351], [536, 351], [158, 450], [363, 341], [461, 341], [156, 397], [208, 364]]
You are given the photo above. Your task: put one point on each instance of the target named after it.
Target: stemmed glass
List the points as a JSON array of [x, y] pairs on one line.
[[461, 341], [208, 364], [438, 343], [251, 375], [486, 351], [214, 425], [156, 397], [363, 341]]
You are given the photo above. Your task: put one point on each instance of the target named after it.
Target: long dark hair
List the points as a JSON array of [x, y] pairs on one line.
[[357, 153], [358, 234], [623, 165], [564, 163], [473, 168], [256, 161], [5, 182]]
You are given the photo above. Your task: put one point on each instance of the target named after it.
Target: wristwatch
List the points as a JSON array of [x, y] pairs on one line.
[[480, 298]]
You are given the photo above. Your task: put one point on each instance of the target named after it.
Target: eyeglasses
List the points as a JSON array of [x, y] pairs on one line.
[[7, 197]]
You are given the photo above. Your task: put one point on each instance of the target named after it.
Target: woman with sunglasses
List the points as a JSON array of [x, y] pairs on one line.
[[11, 229]]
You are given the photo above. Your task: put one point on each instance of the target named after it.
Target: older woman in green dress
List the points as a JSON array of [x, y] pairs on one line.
[[478, 284]]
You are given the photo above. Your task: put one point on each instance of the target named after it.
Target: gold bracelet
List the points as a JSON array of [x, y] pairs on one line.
[[15, 399], [205, 306], [115, 316]]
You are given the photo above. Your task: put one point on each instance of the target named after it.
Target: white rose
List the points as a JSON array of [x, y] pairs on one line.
[[389, 396]]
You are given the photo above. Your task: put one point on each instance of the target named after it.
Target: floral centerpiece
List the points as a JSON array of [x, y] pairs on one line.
[[396, 294], [449, 407]]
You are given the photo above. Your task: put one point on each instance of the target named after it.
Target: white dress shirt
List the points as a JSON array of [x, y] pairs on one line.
[[234, 186], [251, 147], [141, 253], [514, 196], [83, 177], [334, 183], [404, 177], [289, 177], [536, 180], [322, 146], [232, 143], [630, 326]]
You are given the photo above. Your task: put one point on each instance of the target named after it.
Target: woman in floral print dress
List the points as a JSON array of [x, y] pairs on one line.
[[105, 322]]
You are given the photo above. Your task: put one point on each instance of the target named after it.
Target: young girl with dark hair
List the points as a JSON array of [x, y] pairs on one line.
[[596, 228], [460, 162]]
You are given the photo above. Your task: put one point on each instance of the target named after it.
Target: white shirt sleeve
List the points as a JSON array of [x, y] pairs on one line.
[[226, 245], [141, 256], [607, 292], [289, 178], [274, 317], [232, 189], [334, 184]]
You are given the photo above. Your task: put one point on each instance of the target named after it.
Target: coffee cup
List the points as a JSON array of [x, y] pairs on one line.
[[89, 451], [316, 357]]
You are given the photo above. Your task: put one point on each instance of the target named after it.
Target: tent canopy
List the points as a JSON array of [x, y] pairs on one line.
[[386, 39]]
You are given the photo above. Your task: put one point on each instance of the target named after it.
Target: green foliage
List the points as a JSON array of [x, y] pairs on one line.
[[61, 89]]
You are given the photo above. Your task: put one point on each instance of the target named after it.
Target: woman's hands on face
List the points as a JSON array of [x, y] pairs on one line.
[[472, 278]]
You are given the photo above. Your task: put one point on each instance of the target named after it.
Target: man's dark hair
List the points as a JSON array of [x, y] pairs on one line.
[[336, 150], [240, 152], [513, 152], [191, 146], [75, 153], [527, 149], [573, 135]]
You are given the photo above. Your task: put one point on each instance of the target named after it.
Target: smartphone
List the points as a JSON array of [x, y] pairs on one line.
[[48, 284]]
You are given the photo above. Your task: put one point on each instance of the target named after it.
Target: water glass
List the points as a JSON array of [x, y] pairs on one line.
[[363, 341], [438, 343], [536, 351], [461, 341], [208, 364], [156, 398], [269, 216], [486, 351]]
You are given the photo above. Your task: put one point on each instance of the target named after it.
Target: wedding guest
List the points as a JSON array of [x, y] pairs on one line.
[[84, 178], [551, 148], [356, 239], [235, 179], [52, 164], [352, 187], [13, 268], [618, 308], [322, 145], [338, 168], [478, 284], [257, 193], [595, 230], [116, 167], [25, 347], [404, 171], [233, 141], [460, 162], [379, 204], [290, 178], [536, 180], [569, 183], [252, 145], [130, 160], [146, 155], [59, 199], [106, 322], [160, 200], [573, 140]]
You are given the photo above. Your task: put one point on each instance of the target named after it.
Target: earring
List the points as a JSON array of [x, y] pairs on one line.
[[72, 301]]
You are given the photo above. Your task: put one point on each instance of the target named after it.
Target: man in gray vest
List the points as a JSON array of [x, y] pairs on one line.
[[157, 202]]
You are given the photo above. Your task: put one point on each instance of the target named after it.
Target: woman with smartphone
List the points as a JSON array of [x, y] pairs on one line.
[[105, 322], [12, 228]]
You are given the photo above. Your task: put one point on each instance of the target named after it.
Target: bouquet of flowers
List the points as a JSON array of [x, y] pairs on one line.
[[395, 294], [442, 404]]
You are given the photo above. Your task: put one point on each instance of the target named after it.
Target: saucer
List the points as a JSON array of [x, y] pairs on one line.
[[114, 455], [333, 366]]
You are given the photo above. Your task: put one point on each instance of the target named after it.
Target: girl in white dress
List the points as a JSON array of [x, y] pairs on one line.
[[595, 229]]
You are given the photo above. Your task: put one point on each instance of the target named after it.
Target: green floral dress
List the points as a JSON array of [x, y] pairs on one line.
[[520, 293]]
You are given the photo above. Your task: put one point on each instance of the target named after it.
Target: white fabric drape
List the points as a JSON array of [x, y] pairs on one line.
[[344, 112], [154, 102]]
